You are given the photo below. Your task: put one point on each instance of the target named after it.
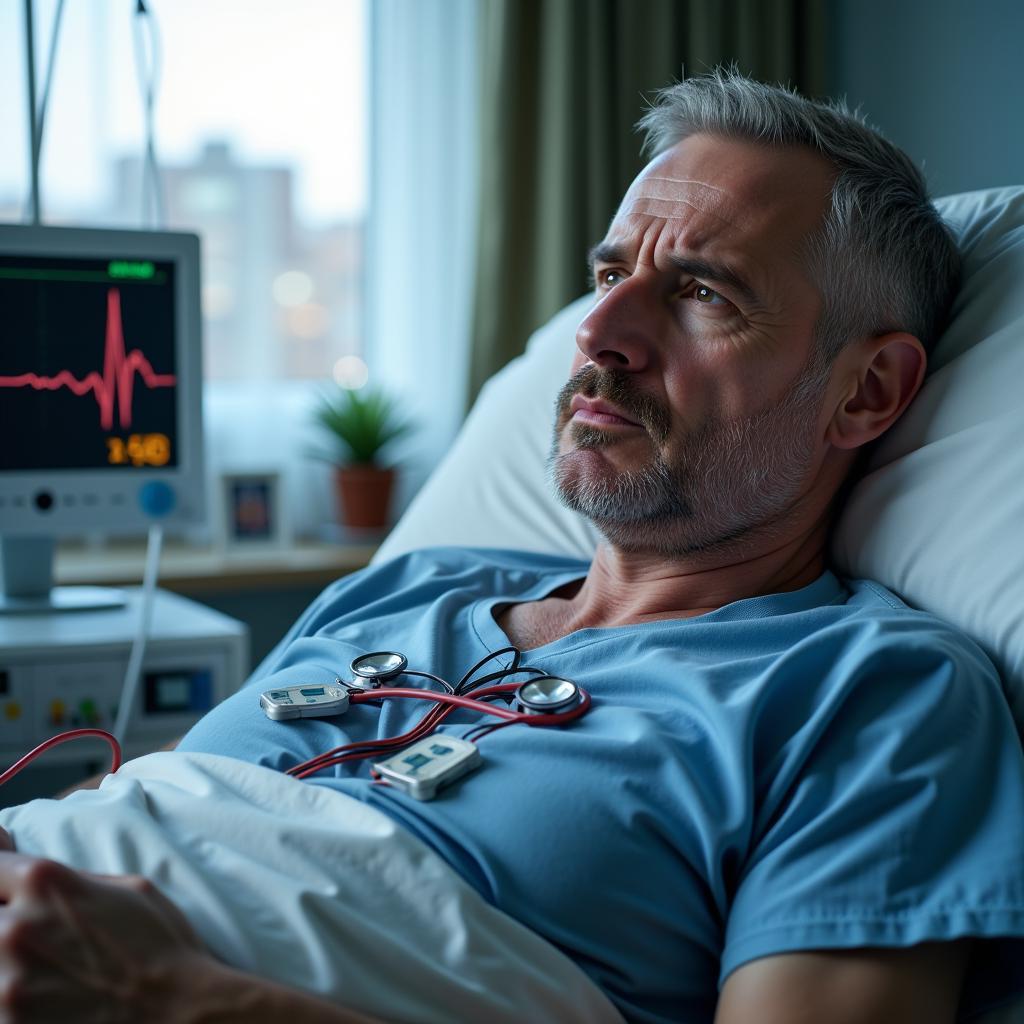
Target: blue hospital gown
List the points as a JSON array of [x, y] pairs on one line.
[[824, 768]]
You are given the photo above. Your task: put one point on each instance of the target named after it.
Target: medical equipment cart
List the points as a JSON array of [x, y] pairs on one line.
[[60, 671]]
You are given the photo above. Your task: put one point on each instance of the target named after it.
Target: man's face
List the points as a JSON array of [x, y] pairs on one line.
[[703, 336]]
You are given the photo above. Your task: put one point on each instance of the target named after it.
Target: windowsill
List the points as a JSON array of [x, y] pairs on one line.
[[189, 567]]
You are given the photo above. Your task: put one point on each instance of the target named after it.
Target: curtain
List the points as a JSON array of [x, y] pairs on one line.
[[562, 84], [422, 228]]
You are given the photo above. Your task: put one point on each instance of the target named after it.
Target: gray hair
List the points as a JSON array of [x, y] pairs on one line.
[[883, 259]]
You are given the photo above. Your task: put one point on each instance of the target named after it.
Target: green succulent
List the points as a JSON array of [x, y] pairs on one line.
[[361, 421]]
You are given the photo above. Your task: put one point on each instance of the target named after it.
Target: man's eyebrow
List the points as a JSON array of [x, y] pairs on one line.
[[606, 252], [694, 266], [715, 273]]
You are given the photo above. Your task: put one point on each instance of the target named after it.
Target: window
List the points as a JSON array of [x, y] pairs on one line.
[[261, 142]]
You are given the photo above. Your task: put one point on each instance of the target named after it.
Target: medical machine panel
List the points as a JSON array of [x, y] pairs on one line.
[[60, 672]]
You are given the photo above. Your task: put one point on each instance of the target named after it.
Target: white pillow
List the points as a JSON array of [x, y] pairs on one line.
[[937, 518]]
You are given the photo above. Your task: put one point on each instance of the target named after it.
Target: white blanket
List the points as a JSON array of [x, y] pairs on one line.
[[312, 888]]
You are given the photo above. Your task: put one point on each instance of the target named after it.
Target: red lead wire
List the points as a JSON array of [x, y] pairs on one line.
[[53, 741], [444, 704]]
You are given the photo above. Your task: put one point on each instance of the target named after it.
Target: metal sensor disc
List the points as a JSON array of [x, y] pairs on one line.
[[379, 665], [548, 695]]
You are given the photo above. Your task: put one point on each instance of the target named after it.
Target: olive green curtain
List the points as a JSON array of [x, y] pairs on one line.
[[563, 82]]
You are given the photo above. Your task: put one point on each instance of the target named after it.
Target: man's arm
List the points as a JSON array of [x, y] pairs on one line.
[[917, 985], [92, 948]]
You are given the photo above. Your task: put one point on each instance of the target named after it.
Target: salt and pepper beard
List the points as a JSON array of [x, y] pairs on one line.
[[698, 492]]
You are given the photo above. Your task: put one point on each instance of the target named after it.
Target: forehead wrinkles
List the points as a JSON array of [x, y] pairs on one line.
[[662, 197]]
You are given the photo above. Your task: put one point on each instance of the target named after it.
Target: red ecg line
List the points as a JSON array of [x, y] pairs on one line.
[[116, 381]]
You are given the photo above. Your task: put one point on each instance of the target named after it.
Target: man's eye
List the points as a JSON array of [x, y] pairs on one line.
[[702, 293], [608, 278]]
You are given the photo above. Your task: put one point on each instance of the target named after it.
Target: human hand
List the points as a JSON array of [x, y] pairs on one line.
[[88, 948]]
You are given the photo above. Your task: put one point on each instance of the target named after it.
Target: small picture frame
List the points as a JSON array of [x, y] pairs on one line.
[[252, 510]]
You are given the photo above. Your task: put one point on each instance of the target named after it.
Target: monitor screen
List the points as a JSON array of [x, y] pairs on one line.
[[100, 380], [96, 385]]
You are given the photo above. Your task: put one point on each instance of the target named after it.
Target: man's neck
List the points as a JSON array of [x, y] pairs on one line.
[[629, 587], [624, 588]]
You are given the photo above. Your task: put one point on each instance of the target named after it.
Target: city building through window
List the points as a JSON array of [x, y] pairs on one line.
[[260, 136]]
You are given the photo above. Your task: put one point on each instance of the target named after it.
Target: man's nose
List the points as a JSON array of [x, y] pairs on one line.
[[620, 329]]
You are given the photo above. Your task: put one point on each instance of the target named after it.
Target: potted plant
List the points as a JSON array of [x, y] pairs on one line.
[[361, 423]]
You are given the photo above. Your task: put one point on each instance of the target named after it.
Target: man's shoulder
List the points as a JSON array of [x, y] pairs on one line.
[[869, 600], [871, 593], [890, 633]]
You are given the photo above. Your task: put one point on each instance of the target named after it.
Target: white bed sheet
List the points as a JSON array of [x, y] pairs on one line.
[[309, 887]]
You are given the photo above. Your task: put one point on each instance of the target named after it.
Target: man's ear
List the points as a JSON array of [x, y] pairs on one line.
[[879, 377]]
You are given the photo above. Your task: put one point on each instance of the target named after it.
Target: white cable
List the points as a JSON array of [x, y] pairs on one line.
[[148, 69], [134, 671]]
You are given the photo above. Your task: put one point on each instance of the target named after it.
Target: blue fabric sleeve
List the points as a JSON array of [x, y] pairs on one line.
[[904, 822]]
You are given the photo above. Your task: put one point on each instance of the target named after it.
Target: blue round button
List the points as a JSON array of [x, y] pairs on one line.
[[157, 498]]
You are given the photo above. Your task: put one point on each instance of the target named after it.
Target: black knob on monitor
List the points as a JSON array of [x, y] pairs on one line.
[[43, 501]]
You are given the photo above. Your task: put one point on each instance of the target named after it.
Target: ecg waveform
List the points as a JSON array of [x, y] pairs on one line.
[[115, 383]]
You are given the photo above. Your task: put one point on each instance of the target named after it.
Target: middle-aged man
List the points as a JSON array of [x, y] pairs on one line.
[[794, 799]]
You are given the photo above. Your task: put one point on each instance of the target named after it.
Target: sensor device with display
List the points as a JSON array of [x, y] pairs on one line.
[[422, 769], [318, 701], [100, 396]]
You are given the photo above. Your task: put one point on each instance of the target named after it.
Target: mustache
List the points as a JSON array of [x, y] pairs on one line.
[[617, 387]]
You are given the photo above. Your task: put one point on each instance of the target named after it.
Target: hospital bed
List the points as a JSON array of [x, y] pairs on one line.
[[938, 516]]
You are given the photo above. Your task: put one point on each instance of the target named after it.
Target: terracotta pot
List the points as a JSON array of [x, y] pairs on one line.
[[364, 495]]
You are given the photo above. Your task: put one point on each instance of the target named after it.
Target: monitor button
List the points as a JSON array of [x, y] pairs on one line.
[[157, 498], [43, 501]]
